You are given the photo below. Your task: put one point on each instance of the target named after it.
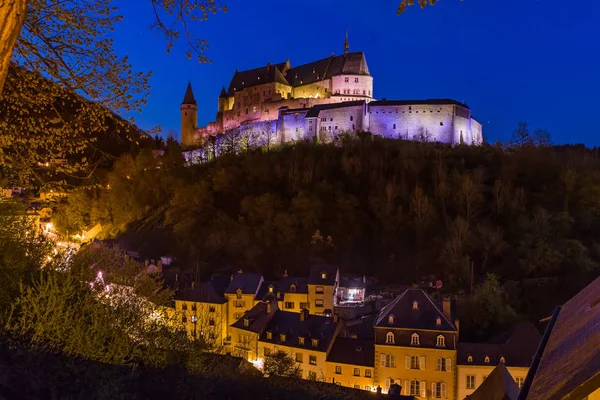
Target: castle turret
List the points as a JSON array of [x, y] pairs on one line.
[[189, 117], [222, 100], [346, 45]]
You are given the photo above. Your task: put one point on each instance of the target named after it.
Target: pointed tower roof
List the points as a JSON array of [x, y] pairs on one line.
[[189, 95], [346, 46], [223, 94], [499, 385]]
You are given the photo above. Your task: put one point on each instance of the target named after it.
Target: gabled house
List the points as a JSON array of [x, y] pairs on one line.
[[241, 294], [323, 282], [351, 363]]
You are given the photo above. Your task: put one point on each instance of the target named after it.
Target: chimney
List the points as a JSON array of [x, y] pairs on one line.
[[285, 273], [278, 294], [193, 285], [176, 277], [303, 315], [240, 271], [364, 279], [231, 277], [268, 307], [447, 307]]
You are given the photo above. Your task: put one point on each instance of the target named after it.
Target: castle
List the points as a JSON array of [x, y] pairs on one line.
[[278, 103]]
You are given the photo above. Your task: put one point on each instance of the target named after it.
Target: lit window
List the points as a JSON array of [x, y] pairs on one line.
[[486, 360], [503, 360], [293, 287], [270, 288], [470, 359], [391, 319], [282, 337], [269, 335], [438, 321], [368, 388], [367, 373], [414, 339], [315, 342], [299, 357], [356, 371], [301, 340], [520, 380], [338, 369], [415, 305], [246, 322], [312, 360], [470, 381], [389, 338], [441, 341]]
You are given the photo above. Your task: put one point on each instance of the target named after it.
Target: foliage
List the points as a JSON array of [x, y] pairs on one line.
[[281, 363]]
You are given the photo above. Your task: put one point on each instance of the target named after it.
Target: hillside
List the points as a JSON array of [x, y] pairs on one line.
[[398, 210]]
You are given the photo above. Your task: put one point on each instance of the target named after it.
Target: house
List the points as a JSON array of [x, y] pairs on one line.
[[567, 362], [515, 350], [323, 282], [241, 294], [415, 344], [291, 293], [351, 291], [245, 332], [351, 363]]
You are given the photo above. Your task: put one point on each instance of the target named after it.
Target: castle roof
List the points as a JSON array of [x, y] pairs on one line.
[[223, 93], [189, 95], [407, 314], [441, 102], [315, 110], [258, 76], [349, 64]]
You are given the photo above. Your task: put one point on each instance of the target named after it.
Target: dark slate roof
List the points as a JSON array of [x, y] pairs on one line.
[[189, 95], [313, 327], [223, 93], [247, 281], [315, 110], [353, 352], [316, 270], [257, 76], [406, 317], [257, 317], [362, 327], [348, 64], [570, 359], [440, 102], [518, 348], [499, 385], [205, 292], [283, 286]]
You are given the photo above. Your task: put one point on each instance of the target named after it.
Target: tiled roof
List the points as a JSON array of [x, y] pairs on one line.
[[283, 286], [248, 282], [205, 292], [570, 359], [518, 349], [315, 110], [257, 76], [290, 323], [440, 102], [349, 63], [189, 95], [316, 271], [499, 385], [353, 352], [258, 317], [405, 316]]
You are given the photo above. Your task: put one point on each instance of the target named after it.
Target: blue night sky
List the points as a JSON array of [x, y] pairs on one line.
[[509, 60]]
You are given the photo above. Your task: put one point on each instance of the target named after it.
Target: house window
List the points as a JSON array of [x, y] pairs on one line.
[[367, 373], [319, 289], [315, 342], [415, 305], [441, 341], [389, 338], [184, 319], [355, 80], [470, 381], [194, 307], [312, 376], [415, 388], [211, 309], [246, 322], [346, 79], [267, 351], [238, 294], [184, 307], [486, 360], [211, 322], [289, 304], [438, 390], [391, 320], [312, 360], [270, 288], [438, 321], [356, 371], [414, 339], [282, 337], [415, 362], [269, 335], [503, 360], [301, 340], [470, 358], [293, 287], [388, 360], [194, 318], [443, 364], [520, 380], [338, 369], [304, 306], [319, 303], [299, 357]]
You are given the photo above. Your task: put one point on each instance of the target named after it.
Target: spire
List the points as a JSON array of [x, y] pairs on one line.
[[223, 93], [189, 95], [346, 46]]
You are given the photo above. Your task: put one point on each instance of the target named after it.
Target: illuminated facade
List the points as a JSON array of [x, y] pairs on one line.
[[278, 103]]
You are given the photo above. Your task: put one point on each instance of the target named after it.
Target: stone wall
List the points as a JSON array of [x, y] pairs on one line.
[[353, 85]]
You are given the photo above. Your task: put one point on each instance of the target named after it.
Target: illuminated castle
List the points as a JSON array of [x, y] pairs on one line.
[[278, 103]]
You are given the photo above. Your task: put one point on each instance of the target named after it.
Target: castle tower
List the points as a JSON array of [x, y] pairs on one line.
[[346, 46], [222, 100], [189, 117]]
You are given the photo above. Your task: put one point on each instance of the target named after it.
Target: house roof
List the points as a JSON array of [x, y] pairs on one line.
[[518, 348], [315, 110], [499, 385], [290, 323], [205, 292], [256, 76], [316, 277], [348, 63], [570, 359], [352, 352], [352, 283], [362, 327], [248, 282], [405, 316], [283, 286], [189, 95], [258, 317], [440, 102]]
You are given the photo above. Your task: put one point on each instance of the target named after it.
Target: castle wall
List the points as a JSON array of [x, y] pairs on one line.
[[332, 122], [317, 89], [291, 125], [353, 85]]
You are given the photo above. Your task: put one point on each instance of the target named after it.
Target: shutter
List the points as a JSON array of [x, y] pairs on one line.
[[449, 364], [407, 362], [433, 390], [407, 387], [443, 385], [423, 389], [422, 363], [382, 357], [393, 361], [438, 364]]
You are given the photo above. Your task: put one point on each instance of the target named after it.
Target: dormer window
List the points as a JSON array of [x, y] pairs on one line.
[[270, 288], [246, 322], [358, 348], [486, 360], [301, 340], [415, 305], [293, 288], [269, 335], [323, 275], [470, 358], [441, 341], [391, 319], [282, 337], [438, 321], [238, 294], [389, 338], [315, 342], [414, 339], [503, 360]]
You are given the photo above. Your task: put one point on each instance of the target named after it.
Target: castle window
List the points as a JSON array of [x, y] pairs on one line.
[[352, 126], [346, 79], [409, 107], [329, 128], [414, 339], [394, 126], [336, 127], [441, 124], [389, 338], [351, 118], [323, 274], [355, 80], [185, 113], [369, 92], [246, 111], [364, 92]]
